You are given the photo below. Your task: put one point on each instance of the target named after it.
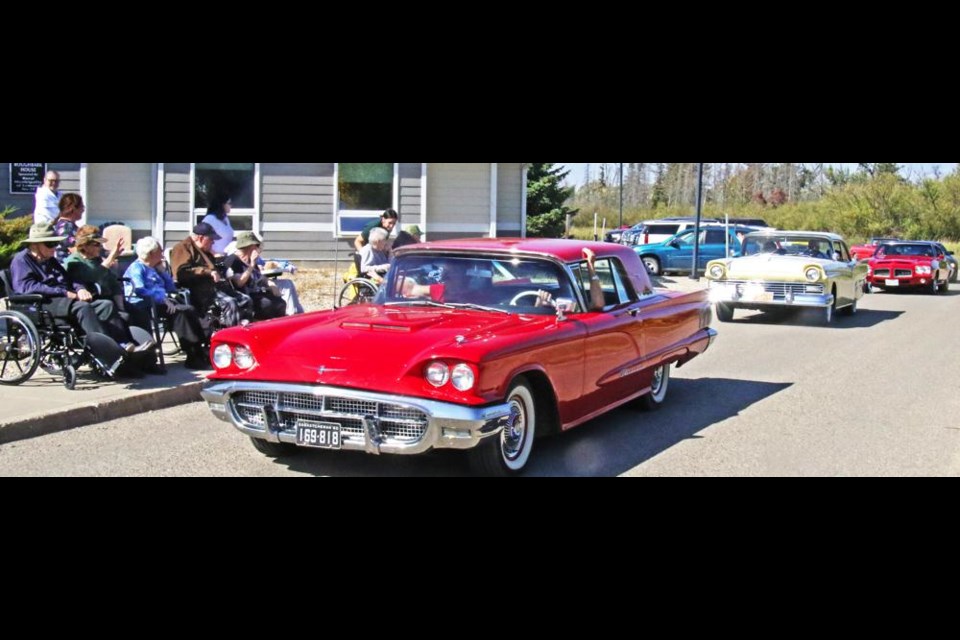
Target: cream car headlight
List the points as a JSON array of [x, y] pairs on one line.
[[813, 274], [462, 377], [437, 374], [243, 358], [716, 271]]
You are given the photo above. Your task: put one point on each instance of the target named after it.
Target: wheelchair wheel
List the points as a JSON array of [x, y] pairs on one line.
[[69, 377], [357, 291], [19, 347]]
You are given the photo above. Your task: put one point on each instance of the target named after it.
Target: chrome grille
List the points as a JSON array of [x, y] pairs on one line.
[[398, 422], [780, 289], [902, 273], [882, 273]]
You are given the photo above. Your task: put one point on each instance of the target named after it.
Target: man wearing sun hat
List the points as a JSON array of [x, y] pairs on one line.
[[35, 270], [411, 234]]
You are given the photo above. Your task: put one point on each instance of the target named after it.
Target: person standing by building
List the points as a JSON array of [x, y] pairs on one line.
[[47, 199], [218, 217], [387, 220], [70, 211]]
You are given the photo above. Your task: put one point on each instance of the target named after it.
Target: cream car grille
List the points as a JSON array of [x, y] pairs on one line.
[[398, 422], [780, 289]]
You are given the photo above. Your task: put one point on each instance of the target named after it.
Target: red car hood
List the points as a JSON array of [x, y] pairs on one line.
[[905, 262], [367, 346]]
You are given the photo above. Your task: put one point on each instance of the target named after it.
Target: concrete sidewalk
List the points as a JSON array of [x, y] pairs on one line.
[[42, 405]]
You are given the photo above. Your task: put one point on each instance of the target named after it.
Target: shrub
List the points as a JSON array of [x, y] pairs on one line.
[[12, 231]]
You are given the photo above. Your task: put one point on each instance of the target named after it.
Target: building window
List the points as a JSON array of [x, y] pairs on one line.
[[233, 180], [364, 190]]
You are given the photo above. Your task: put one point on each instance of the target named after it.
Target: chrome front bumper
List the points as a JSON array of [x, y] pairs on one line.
[[436, 425], [756, 297]]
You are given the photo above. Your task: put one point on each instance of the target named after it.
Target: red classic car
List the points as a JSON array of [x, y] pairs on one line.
[[478, 344], [865, 251], [909, 264]]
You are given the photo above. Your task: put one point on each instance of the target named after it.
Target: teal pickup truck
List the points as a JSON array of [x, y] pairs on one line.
[[676, 253]]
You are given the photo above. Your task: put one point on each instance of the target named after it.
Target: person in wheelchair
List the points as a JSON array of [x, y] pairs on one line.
[[243, 270], [375, 255], [194, 268], [35, 270], [148, 284], [85, 265]]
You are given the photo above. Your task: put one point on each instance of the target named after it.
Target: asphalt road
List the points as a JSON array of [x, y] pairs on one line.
[[877, 394]]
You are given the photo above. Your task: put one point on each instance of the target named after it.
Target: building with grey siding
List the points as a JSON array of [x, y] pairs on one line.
[[304, 211]]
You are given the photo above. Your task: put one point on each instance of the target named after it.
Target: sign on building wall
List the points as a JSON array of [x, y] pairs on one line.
[[25, 177]]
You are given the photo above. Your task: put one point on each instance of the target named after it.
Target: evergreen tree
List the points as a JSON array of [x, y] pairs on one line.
[[546, 211]]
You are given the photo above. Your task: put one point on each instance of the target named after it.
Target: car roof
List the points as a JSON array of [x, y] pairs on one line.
[[821, 234], [564, 250]]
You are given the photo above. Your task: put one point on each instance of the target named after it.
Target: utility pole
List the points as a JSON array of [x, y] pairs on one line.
[[694, 273], [621, 196]]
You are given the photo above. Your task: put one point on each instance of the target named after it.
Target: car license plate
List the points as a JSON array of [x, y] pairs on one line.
[[892, 283], [324, 435]]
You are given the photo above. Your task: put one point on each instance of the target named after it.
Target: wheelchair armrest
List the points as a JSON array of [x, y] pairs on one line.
[[27, 298]]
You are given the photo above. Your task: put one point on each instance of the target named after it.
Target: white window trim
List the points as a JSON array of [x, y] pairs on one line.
[[234, 211], [360, 213]]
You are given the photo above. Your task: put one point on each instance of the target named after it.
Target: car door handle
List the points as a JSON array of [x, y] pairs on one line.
[[634, 312]]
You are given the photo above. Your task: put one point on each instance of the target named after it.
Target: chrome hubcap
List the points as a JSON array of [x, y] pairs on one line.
[[513, 433]]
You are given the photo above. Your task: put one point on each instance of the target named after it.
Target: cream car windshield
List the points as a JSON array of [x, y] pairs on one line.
[[805, 246]]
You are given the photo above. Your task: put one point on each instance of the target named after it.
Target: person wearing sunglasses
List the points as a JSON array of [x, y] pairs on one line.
[[47, 199], [36, 270]]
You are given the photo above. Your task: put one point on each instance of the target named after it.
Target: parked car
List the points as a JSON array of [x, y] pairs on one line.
[[614, 234], [454, 353], [758, 223], [866, 250], [676, 253], [654, 231], [902, 265], [790, 269]]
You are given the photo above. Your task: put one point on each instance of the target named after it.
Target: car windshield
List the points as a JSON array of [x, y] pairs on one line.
[[921, 250], [509, 285], [807, 246]]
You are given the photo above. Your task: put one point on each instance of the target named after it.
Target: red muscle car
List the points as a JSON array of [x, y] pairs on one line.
[[480, 344], [909, 264], [865, 251]]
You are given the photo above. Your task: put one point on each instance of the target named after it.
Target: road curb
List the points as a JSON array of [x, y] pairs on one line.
[[82, 415]]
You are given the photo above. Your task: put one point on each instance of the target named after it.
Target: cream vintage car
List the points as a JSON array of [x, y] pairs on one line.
[[785, 269]]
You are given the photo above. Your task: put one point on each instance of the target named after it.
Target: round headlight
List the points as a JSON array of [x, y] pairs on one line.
[[812, 274], [222, 356], [716, 272], [243, 357], [437, 374], [462, 377]]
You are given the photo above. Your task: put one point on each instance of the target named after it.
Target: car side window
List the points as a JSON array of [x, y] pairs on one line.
[[714, 236], [841, 248], [613, 280]]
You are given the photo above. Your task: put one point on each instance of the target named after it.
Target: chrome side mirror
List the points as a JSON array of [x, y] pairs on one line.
[[563, 307]]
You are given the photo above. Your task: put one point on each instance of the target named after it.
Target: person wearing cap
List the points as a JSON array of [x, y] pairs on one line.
[[387, 220], [410, 235], [192, 265], [85, 264], [244, 272], [47, 199], [35, 270]]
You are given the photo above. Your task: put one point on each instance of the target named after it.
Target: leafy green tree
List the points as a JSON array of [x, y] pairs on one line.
[[12, 231], [546, 198]]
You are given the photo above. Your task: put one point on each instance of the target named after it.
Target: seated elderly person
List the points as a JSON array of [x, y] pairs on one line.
[[148, 283], [35, 271], [242, 269], [193, 268], [375, 255]]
